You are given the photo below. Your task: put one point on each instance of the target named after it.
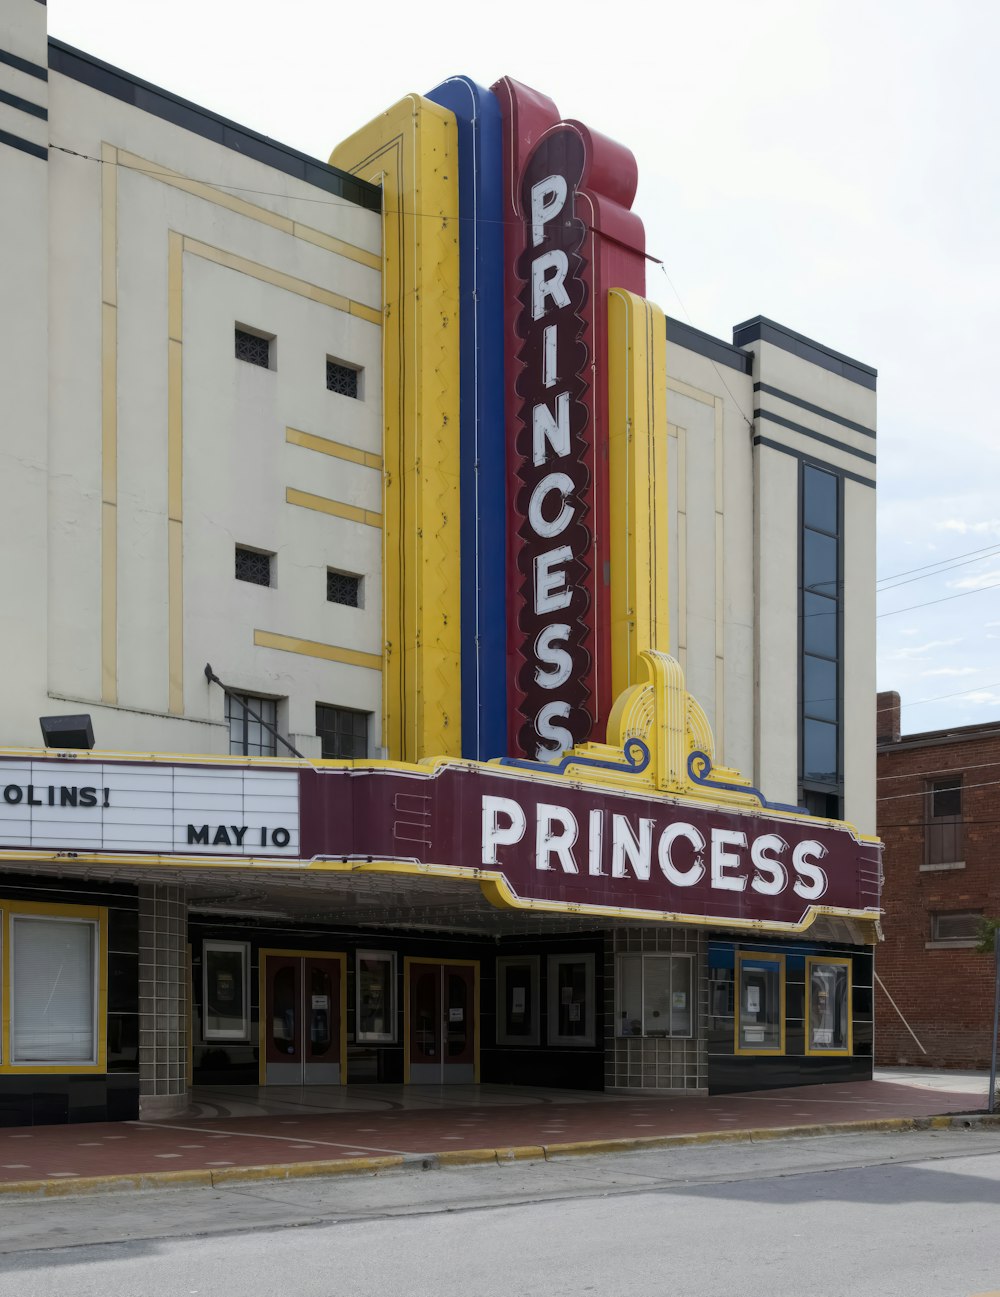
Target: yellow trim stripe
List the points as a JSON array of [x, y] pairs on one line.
[[411, 150], [310, 441], [494, 886], [211, 194], [352, 512], [314, 649], [278, 279], [639, 504]]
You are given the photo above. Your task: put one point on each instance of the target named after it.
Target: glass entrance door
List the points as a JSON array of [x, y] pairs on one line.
[[442, 1011], [301, 1018]]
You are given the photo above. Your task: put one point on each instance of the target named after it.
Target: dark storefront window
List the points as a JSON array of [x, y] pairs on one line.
[[828, 1006], [376, 997], [225, 1001], [571, 999], [821, 619], [760, 1004], [517, 1000]]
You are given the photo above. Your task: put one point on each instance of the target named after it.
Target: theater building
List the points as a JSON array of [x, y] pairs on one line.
[[449, 668]]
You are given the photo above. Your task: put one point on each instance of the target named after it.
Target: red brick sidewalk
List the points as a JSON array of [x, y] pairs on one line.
[[49, 1153]]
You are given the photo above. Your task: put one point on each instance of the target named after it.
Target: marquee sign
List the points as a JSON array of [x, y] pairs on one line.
[[122, 806], [553, 842], [528, 839], [569, 237]]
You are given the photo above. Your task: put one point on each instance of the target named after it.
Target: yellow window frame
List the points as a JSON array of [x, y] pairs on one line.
[[9, 910], [811, 961], [751, 957]]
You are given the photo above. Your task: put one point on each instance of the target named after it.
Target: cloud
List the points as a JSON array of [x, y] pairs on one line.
[[917, 650], [978, 582], [988, 527], [981, 698], [951, 671]]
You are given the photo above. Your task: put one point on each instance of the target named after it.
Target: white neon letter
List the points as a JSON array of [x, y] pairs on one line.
[[551, 592], [681, 877], [549, 843], [545, 285], [770, 878], [546, 729], [562, 483], [497, 835], [545, 428], [548, 198], [557, 658], [809, 869]]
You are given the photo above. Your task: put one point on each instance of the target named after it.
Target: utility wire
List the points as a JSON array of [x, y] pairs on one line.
[[941, 561]]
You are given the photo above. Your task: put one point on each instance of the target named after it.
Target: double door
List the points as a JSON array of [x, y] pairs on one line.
[[302, 1018], [442, 1022]]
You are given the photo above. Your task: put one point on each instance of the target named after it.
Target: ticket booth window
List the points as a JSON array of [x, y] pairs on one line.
[[225, 1010], [828, 1006], [760, 1005], [655, 995]]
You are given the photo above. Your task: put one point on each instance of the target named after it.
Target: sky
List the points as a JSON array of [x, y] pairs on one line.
[[833, 166]]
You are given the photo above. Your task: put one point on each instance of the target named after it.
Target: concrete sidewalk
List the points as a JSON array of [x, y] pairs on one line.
[[370, 1128]]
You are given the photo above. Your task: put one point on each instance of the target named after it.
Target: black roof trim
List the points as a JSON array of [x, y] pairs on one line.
[[764, 330], [161, 103], [686, 335], [940, 738]]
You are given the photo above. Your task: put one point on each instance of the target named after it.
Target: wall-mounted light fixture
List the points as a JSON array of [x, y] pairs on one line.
[[67, 731]]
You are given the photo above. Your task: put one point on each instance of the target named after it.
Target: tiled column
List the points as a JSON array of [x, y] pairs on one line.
[[163, 1001]]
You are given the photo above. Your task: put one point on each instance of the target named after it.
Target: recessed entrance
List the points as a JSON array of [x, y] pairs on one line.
[[303, 1018], [441, 1043]]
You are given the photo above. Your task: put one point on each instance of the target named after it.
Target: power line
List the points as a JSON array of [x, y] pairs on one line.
[[927, 576], [959, 693], [909, 571], [944, 599]]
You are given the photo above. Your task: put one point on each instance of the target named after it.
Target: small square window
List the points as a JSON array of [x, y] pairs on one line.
[[248, 737], [946, 797], [342, 379], [343, 588], [254, 348], [253, 565], [342, 732]]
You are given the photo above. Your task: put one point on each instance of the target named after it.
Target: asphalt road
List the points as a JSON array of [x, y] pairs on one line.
[[880, 1215]]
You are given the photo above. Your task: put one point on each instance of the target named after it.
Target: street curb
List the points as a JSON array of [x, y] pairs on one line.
[[475, 1156]]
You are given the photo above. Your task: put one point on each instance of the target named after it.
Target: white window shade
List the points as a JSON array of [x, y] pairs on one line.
[[53, 1004]]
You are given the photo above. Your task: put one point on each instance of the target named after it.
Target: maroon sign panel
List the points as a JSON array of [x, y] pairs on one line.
[[569, 237], [581, 846]]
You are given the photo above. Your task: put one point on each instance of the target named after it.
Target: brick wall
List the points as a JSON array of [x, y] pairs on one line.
[[945, 991]]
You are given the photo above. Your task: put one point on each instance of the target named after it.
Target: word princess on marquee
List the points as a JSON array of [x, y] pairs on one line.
[[764, 864]]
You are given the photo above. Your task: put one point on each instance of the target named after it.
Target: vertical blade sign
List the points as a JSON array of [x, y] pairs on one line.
[[569, 236], [554, 560]]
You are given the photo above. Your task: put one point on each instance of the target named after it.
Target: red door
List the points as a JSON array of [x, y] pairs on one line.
[[442, 1023], [301, 1023]]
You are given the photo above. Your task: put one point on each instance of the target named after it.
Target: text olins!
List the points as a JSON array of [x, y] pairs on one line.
[[56, 795], [732, 860]]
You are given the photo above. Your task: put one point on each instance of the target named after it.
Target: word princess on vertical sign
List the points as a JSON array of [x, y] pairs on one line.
[[569, 237]]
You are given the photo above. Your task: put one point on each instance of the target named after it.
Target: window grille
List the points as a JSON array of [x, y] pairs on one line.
[[956, 927], [342, 588], [253, 349], [343, 733], [247, 737], [253, 566], [342, 379]]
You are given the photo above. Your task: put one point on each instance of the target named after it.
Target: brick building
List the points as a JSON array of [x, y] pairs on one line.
[[938, 817]]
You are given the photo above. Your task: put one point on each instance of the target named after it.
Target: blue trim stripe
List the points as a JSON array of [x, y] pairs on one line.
[[481, 405]]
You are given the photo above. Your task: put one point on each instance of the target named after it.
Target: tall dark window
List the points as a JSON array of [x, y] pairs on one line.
[[821, 617], [343, 733], [943, 838]]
